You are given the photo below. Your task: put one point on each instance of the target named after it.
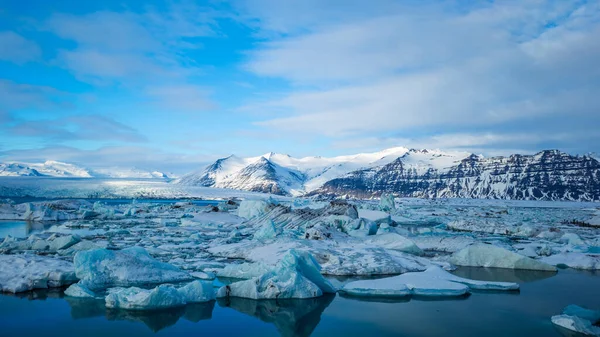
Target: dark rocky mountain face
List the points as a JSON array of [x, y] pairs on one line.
[[548, 175]]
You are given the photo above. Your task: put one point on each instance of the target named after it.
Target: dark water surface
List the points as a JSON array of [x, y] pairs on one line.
[[524, 313]]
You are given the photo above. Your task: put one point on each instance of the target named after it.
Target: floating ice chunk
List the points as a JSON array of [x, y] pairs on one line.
[[63, 242], [245, 270], [203, 275], [249, 209], [394, 241], [483, 255], [576, 324], [102, 268], [78, 290], [574, 260], [20, 273], [266, 231], [296, 276], [161, 297], [572, 239], [433, 282], [78, 247], [387, 203], [197, 292], [578, 319]]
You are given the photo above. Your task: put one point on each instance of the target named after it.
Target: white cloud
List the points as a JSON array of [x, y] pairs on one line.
[[17, 49], [503, 67]]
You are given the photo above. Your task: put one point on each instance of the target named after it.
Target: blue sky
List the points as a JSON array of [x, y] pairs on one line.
[[173, 84]]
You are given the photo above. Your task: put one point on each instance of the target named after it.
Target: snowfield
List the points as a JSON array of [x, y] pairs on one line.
[[153, 255]]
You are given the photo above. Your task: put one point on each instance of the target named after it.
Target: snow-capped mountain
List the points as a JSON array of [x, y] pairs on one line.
[[548, 175], [283, 174], [57, 169]]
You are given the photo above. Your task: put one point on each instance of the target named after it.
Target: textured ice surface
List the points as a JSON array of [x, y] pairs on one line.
[[102, 268], [482, 255], [244, 270], [574, 260], [19, 273], [578, 319], [249, 209], [296, 276], [394, 241], [161, 297], [432, 282]]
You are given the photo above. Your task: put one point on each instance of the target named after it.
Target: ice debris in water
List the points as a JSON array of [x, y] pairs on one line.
[[432, 282], [484, 255], [574, 260], [19, 273], [297, 275], [578, 319], [266, 232], [102, 268], [395, 242]]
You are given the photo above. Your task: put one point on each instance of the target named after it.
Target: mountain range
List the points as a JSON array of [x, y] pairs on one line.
[[547, 175], [52, 168]]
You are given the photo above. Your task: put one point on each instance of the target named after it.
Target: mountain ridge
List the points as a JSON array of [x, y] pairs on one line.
[[546, 175]]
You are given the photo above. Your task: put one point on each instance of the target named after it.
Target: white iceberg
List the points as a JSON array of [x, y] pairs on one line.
[[432, 282], [78, 290], [197, 292], [578, 319], [19, 273], [102, 268], [161, 297], [297, 275], [574, 260], [484, 255], [249, 209], [387, 203]]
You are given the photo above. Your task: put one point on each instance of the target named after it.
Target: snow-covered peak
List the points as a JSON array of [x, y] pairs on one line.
[[313, 171], [53, 168], [59, 169]]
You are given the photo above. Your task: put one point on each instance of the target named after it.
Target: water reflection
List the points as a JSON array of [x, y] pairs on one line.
[[291, 317], [502, 274], [21, 229], [156, 320]]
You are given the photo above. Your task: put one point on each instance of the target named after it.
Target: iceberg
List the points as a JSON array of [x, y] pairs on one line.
[[80, 291], [387, 203], [484, 255], [249, 209], [161, 297], [102, 268], [297, 275], [578, 319], [19, 273], [266, 231], [574, 260], [432, 282]]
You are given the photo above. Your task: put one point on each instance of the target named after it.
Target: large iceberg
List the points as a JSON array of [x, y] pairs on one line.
[[19, 273], [433, 282], [578, 319], [102, 268], [484, 255], [297, 275], [245, 270]]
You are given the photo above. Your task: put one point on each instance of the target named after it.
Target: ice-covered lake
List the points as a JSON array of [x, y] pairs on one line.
[[524, 313]]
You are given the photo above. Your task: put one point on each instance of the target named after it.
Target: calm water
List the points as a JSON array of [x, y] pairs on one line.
[[482, 314], [21, 229]]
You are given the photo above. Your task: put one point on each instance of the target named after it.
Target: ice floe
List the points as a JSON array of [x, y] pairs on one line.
[[578, 319], [432, 282], [19, 273], [483, 255]]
